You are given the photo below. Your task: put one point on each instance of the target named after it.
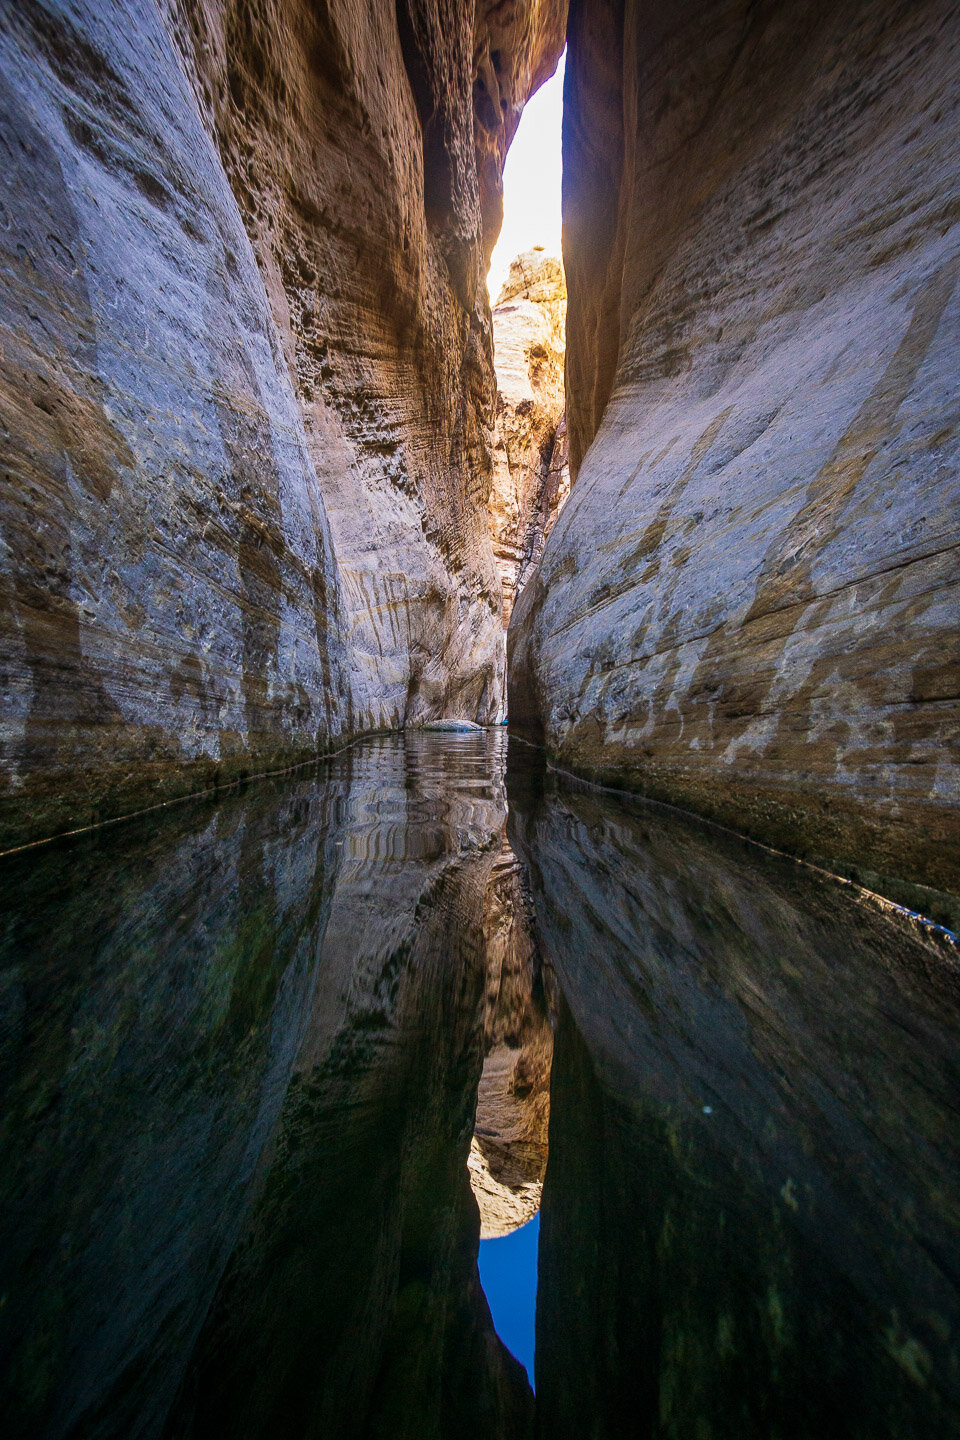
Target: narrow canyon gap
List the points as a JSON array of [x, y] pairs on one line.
[[283, 491], [247, 381]]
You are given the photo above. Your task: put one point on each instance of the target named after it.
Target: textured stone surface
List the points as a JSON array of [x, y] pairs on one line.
[[247, 382], [750, 603], [530, 476]]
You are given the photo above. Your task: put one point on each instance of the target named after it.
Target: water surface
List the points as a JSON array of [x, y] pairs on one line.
[[240, 1051]]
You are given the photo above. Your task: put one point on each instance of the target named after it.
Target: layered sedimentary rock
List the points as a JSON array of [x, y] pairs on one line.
[[247, 382], [530, 475], [750, 603], [508, 1153]]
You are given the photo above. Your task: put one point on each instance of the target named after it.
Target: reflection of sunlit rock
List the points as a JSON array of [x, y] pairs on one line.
[[508, 1154]]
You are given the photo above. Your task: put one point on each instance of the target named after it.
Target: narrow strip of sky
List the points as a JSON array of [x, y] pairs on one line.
[[531, 183]]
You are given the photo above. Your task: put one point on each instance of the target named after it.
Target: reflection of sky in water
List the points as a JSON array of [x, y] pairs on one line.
[[508, 1273]]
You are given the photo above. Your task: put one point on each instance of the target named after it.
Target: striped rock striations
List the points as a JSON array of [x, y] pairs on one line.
[[246, 382], [531, 478], [750, 604]]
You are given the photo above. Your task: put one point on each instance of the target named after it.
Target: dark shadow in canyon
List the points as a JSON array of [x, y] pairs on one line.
[[750, 1217], [241, 1049], [242, 1046]]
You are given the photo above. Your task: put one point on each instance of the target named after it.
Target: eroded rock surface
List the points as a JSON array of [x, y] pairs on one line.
[[750, 603], [531, 479], [247, 382]]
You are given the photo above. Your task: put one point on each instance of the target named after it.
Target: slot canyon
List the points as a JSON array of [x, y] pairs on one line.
[[479, 741]]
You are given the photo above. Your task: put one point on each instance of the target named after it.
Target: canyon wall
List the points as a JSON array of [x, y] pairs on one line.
[[749, 604], [531, 478], [247, 382]]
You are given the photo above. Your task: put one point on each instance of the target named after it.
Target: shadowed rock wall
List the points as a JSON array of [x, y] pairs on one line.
[[750, 603], [247, 382]]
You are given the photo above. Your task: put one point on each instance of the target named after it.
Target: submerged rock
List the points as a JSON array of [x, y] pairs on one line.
[[453, 725]]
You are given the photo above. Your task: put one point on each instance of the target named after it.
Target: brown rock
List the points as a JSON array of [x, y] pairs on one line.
[[750, 603], [530, 479], [247, 383], [508, 1154]]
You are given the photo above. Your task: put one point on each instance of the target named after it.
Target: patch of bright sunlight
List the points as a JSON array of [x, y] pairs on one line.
[[531, 183]]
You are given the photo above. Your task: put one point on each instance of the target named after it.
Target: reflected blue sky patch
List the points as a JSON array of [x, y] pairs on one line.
[[508, 1273]]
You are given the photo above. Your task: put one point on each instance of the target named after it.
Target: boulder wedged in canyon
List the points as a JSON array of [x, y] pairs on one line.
[[749, 605], [531, 479], [247, 383]]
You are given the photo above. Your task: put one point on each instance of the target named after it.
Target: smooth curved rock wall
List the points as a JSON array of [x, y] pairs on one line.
[[750, 604], [247, 383]]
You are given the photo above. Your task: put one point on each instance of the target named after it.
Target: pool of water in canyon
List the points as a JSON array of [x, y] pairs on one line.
[[269, 1062]]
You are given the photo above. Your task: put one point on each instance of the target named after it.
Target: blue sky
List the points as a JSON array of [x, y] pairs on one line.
[[508, 1273]]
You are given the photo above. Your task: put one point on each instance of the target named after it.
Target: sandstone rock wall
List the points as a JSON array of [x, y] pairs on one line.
[[750, 603], [530, 475], [247, 382]]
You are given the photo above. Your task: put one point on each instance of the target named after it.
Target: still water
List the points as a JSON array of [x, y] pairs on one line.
[[242, 1150]]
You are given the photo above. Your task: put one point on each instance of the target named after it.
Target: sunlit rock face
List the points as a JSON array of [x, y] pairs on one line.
[[247, 382], [750, 603], [531, 478], [508, 1153]]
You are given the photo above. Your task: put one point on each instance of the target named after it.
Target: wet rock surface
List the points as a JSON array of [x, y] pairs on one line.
[[247, 383], [531, 478], [749, 604]]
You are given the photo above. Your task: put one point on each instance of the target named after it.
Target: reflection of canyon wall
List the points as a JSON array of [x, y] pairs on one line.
[[246, 381], [749, 1212], [508, 1154], [238, 1075], [531, 478], [750, 602]]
